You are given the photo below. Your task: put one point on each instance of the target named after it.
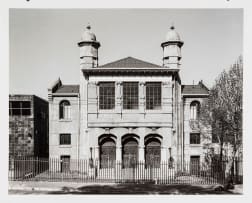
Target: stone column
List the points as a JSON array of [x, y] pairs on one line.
[[141, 153], [96, 153], [164, 150], [118, 149], [141, 146]]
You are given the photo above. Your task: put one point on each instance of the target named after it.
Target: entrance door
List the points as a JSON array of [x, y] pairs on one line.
[[65, 163], [152, 153], [195, 165], [107, 153], [130, 158], [130, 153]]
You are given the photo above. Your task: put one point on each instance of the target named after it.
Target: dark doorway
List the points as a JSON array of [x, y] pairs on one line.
[[130, 153], [152, 153], [107, 153], [65, 163], [195, 165]]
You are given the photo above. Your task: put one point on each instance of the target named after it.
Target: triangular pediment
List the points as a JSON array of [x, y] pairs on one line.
[[130, 62]]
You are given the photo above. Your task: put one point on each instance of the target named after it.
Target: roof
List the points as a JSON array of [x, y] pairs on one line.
[[172, 35], [68, 89], [88, 35], [198, 89], [23, 97], [130, 62]]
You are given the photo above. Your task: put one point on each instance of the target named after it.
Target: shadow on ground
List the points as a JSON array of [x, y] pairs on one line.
[[141, 189]]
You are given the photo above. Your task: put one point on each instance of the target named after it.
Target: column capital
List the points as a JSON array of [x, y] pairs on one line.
[[142, 83], [92, 83], [165, 83], [118, 82]]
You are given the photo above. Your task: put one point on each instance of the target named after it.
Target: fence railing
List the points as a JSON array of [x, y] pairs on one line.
[[163, 172]]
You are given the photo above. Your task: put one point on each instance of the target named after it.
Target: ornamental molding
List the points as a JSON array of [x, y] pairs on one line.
[[118, 83]]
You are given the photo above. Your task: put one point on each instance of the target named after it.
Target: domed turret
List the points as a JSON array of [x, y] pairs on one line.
[[172, 49], [88, 35], [88, 49], [172, 35]]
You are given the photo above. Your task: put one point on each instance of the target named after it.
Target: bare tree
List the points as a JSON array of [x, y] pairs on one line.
[[222, 112]]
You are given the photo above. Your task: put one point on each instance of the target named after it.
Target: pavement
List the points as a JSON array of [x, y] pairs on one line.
[[43, 187]]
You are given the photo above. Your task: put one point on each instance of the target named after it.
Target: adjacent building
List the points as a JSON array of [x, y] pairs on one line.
[[28, 126], [127, 110]]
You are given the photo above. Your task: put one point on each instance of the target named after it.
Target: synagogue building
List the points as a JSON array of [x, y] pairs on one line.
[[127, 110]]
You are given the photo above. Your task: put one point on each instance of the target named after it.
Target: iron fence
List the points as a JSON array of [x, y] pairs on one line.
[[163, 172]]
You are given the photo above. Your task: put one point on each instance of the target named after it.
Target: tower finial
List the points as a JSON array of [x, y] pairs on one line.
[[88, 26], [172, 26]]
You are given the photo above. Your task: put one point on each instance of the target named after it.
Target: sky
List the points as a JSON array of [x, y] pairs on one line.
[[43, 42]]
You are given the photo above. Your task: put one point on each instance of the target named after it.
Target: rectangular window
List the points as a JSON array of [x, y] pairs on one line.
[[130, 95], [153, 95], [215, 138], [107, 95], [65, 139], [194, 138], [19, 108]]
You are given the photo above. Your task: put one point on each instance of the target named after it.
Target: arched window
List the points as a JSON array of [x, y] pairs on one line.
[[64, 110], [194, 110]]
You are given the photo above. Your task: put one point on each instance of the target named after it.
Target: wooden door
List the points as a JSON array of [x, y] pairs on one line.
[[130, 153], [195, 165], [107, 154], [153, 153], [65, 163]]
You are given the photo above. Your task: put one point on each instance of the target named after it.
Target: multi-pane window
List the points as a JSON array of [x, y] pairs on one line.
[[64, 110], [153, 95], [20, 108], [65, 139], [194, 110], [194, 138], [130, 95], [107, 95]]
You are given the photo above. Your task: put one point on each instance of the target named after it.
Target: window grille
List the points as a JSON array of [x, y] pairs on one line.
[[65, 139], [107, 95], [130, 95], [153, 95]]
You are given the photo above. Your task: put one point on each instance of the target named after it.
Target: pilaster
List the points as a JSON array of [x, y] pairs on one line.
[[142, 97]]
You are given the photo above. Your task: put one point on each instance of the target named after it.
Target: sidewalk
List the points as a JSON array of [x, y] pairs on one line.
[[42, 187], [49, 186], [238, 189]]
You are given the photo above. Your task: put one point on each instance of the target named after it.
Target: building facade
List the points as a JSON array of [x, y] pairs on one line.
[[127, 110], [28, 126]]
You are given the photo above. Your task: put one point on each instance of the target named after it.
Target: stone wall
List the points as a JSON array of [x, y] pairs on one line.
[[28, 135]]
